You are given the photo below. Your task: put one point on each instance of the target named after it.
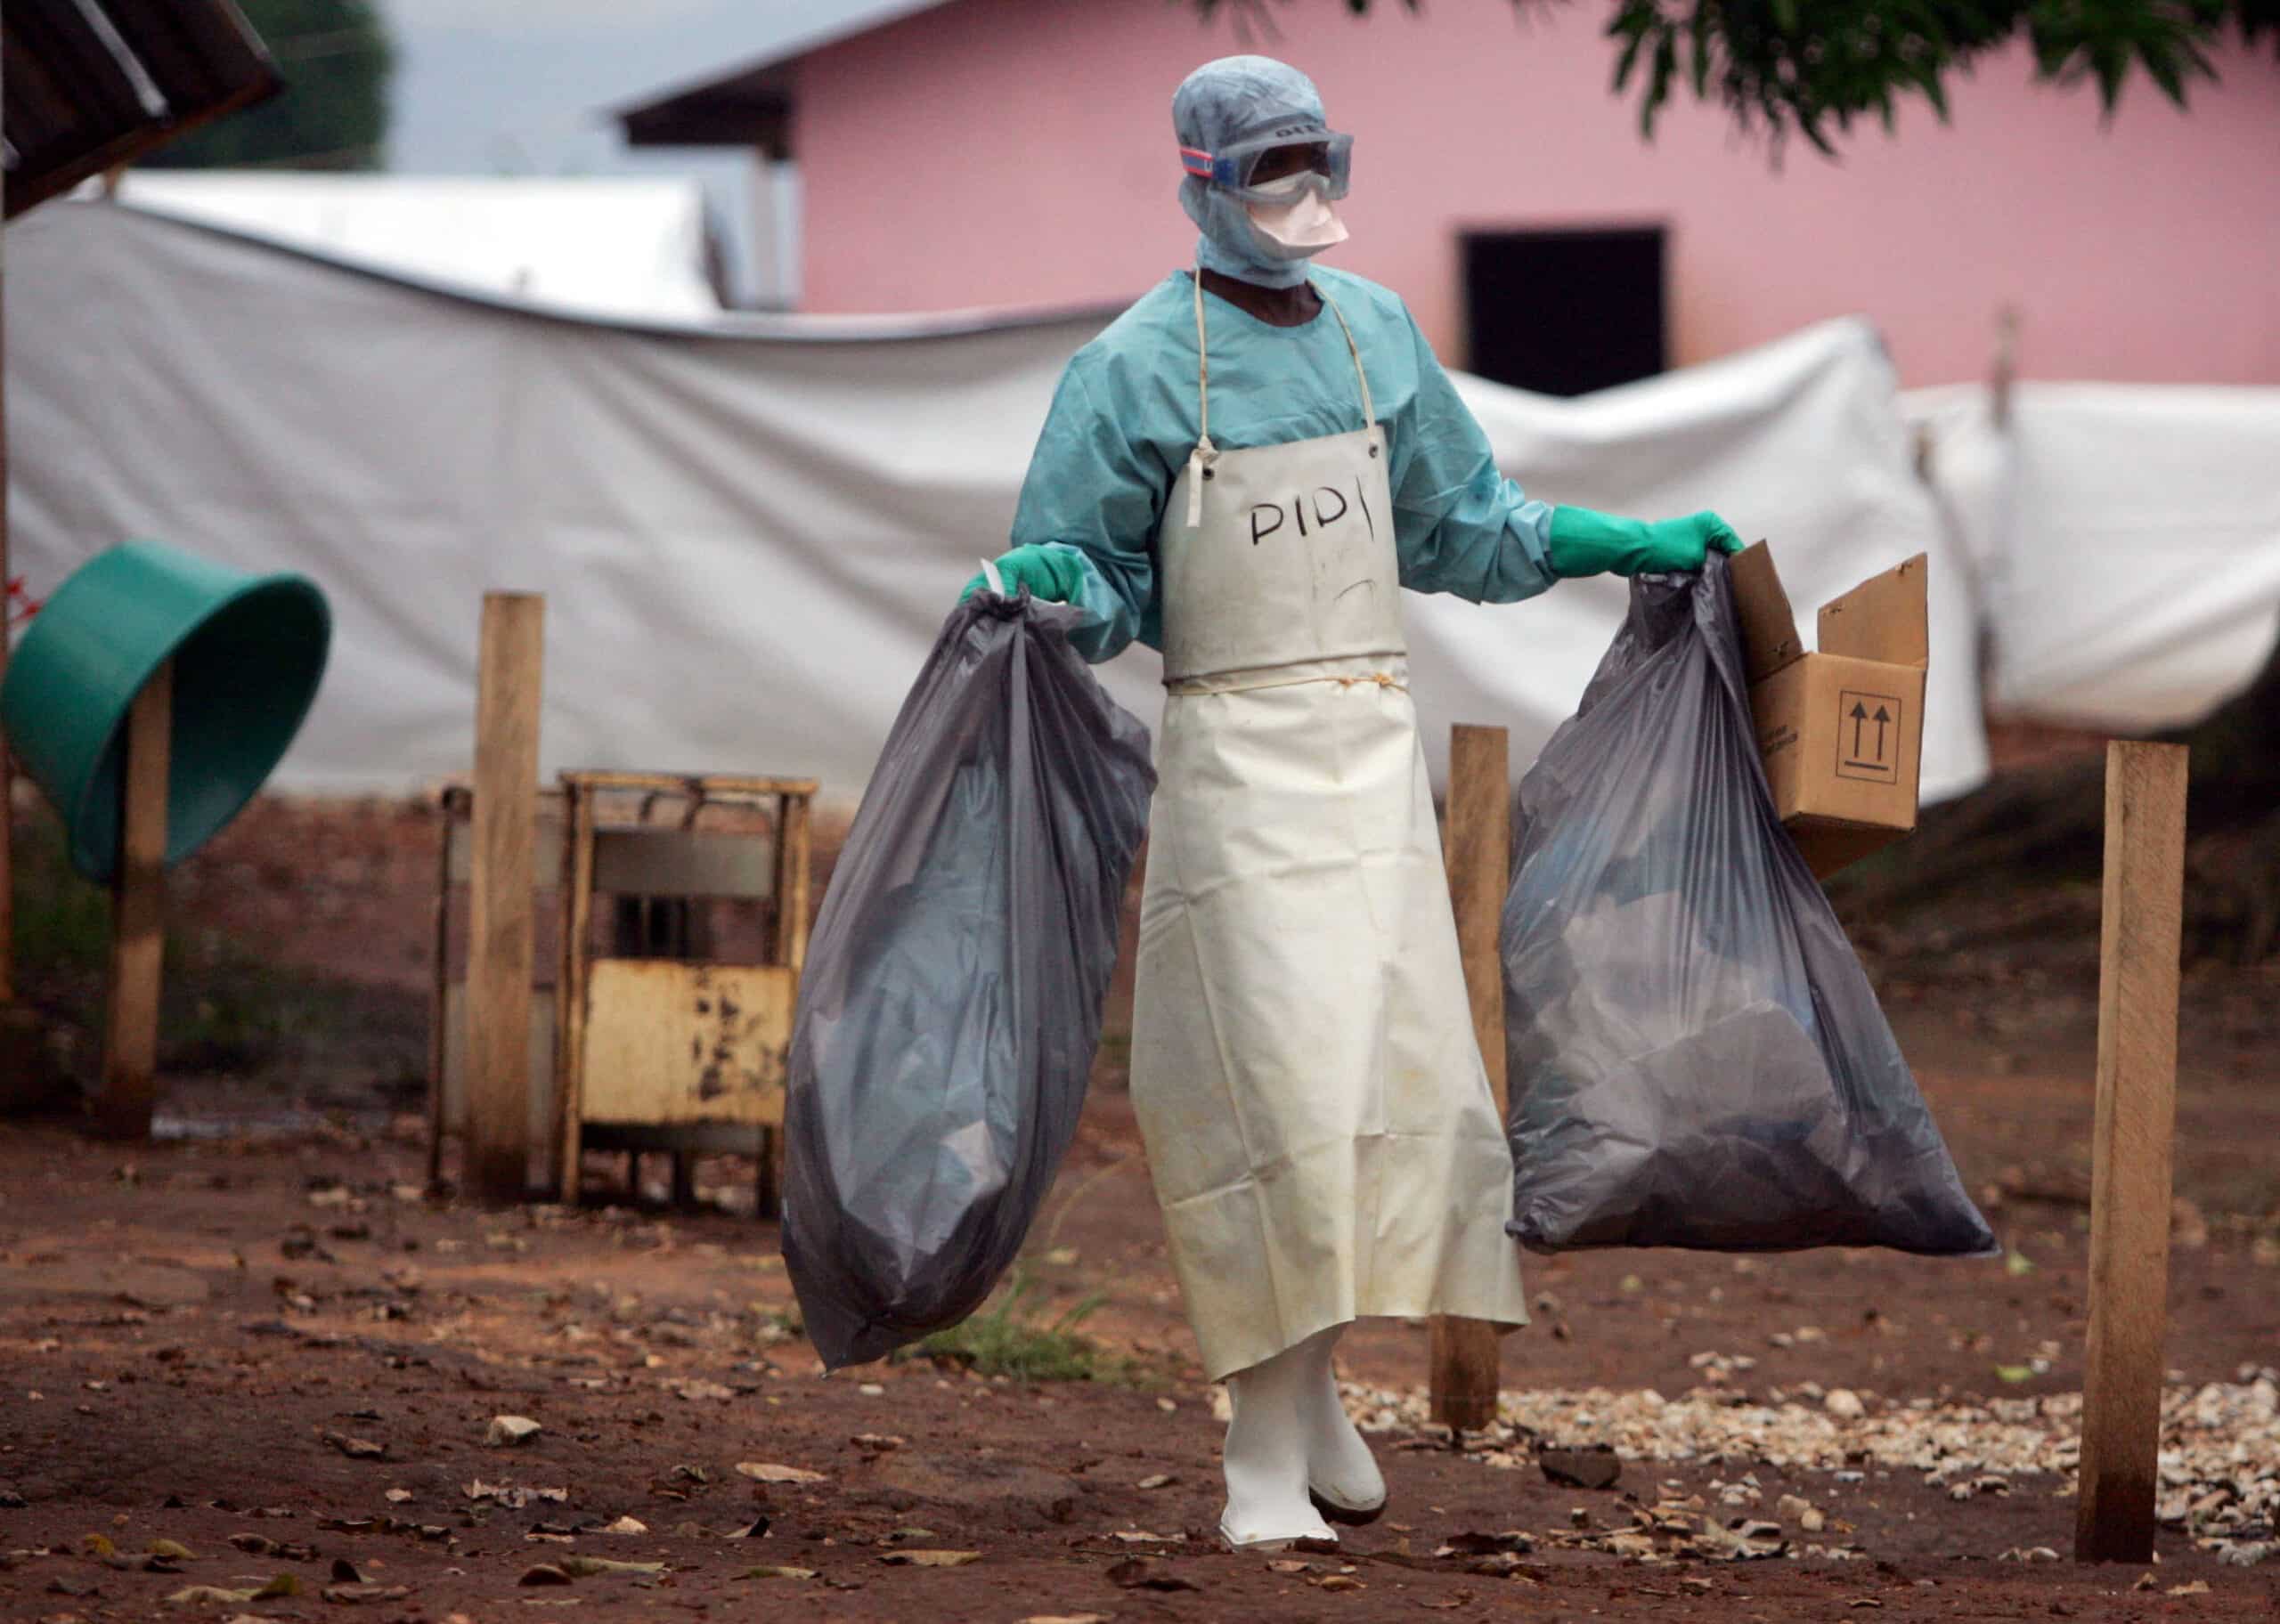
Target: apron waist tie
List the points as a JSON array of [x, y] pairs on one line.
[[1247, 682]]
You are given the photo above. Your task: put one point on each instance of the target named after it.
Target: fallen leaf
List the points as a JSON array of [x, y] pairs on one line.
[[767, 1570], [627, 1525], [877, 1442], [768, 1471], [284, 1584], [2146, 1581], [356, 1449], [512, 1498], [2015, 1374], [2199, 1587], [1161, 1480], [1287, 1565], [1864, 1601], [507, 1431], [1484, 1545], [930, 1559], [1502, 1564], [254, 1545], [1136, 1573], [397, 1497], [544, 1573], [700, 1391], [2017, 1263], [171, 1551], [98, 1545], [587, 1567], [1338, 1581], [350, 1596]]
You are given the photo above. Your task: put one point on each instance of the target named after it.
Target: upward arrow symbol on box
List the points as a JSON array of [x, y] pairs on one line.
[[1884, 718], [1860, 720]]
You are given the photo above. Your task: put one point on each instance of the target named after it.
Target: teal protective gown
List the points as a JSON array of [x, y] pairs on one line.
[[1125, 418]]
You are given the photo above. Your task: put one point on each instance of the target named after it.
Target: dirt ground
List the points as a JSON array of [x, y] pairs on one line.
[[261, 1339]]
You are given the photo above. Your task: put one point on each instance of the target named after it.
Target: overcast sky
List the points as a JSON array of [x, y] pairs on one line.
[[520, 87]]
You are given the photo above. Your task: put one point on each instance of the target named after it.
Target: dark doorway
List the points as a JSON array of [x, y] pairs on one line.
[[1566, 311]]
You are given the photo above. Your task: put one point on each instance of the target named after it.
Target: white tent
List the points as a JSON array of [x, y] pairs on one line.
[[605, 246], [748, 531], [2127, 541]]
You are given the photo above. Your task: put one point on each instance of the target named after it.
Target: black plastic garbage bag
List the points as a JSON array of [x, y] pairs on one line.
[[1697, 1058], [952, 998]]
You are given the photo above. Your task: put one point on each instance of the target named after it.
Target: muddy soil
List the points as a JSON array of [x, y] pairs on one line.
[[264, 1341]]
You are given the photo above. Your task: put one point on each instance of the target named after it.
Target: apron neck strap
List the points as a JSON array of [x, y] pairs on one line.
[[1202, 370], [1369, 413], [1203, 363]]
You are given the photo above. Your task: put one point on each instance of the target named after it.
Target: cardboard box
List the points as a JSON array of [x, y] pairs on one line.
[[1841, 729]]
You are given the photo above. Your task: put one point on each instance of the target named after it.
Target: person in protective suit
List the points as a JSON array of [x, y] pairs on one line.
[[1244, 470]]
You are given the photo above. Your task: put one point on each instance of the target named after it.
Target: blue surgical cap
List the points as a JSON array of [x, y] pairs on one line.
[[1228, 101]]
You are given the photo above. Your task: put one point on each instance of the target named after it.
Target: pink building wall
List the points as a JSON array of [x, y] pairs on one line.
[[993, 152]]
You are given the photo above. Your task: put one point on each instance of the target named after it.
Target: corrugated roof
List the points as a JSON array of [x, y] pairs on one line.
[[90, 84]]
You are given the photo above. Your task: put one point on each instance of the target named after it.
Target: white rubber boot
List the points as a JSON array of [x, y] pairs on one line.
[[1342, 1476], [1265, 1456]]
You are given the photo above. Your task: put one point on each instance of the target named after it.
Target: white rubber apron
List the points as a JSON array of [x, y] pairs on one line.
[[1318, 1123]]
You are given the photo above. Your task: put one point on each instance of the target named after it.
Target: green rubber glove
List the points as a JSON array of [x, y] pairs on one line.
[[1052, 574], [1587, 543]]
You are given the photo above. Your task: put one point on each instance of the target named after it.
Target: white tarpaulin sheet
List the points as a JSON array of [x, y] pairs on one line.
[[748, 534], [2127, 537], [606, 245]]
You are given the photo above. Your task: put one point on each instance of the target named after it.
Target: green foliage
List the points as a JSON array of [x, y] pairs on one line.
[[1013, 1339], [1812, 67], [224, 1009], [336, 59], [63, 921]]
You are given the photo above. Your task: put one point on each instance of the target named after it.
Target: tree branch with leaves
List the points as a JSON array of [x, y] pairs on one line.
[[1812, 67]]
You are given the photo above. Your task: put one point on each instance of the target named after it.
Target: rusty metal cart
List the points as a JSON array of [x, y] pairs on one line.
[[680, 1054]]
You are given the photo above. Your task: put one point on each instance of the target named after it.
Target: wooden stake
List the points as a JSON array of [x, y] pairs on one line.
[[2129, 1182], [1465, 1373], [138, 928], [500, 939]]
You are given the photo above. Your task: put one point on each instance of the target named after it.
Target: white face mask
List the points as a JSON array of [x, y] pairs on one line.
[[1304, 226]]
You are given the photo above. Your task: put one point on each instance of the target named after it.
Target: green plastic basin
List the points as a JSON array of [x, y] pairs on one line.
[[249, 654]]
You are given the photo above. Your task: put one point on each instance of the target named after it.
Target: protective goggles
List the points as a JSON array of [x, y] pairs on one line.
[[1235, 168]]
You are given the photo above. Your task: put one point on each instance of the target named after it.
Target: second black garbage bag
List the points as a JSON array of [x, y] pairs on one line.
[[951, 1002], [1697, 1058]]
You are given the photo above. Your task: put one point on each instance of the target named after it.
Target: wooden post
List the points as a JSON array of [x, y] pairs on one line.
[[2130, 1180], [1479, 843], [138, 921], [500, 935]]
